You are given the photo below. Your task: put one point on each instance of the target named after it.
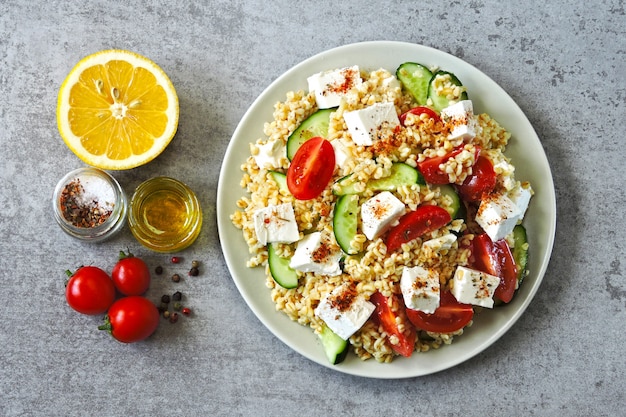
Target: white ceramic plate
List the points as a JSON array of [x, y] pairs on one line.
[[524, 148]]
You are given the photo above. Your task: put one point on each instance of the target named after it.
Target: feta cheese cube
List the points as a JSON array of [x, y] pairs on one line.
[[420, 289], [331, 86], [342, 153], [317, 253], [379, 213], [391, 83], [344, 310], [460, 119], [474, 287], [276, 224], [444, 242], [369, 124], [270, 154], [520, 196], [499, 213]]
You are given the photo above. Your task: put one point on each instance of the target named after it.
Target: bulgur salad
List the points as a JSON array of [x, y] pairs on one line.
[[383, 210]]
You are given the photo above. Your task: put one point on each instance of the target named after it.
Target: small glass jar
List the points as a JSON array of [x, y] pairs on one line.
[[89, 204], [165, 215]]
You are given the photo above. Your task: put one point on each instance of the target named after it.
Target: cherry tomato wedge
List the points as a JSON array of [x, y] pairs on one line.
[[131, 275], [89, 290], [495, 258], [480, 183], [449, 317], [311, 168], [420, 110], [412, 225], [430, 167], [131, 319], [387, 318]]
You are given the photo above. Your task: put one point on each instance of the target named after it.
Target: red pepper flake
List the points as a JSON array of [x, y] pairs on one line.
[[78, 210]]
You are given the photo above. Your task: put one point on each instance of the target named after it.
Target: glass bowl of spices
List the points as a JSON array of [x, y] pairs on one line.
[[165, 215], [89, 204]]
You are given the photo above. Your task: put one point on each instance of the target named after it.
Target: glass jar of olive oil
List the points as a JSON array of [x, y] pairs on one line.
[[165, 215]]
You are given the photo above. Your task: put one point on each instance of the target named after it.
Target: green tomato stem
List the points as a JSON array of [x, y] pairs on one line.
[[106, 326], [124, 255]]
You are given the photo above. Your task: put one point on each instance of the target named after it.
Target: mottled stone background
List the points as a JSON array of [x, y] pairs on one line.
[[563, 62]]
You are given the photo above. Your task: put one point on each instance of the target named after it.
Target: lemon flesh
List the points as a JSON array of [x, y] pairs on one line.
[[117, 110]]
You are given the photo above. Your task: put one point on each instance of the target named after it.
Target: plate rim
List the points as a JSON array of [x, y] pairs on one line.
[[386, 371]]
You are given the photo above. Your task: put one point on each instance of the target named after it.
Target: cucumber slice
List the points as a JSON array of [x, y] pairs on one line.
[[457, 209], [314, 125], [520, 251], [345, 221], [343, 186], [281, 180], [441, 101], [401, 174], [282, 273], [415, 78], [335, 347]]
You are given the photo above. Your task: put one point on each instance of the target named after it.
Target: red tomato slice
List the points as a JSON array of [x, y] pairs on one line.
[[449, 317], [311, 168], [387, 318], [420, 110], [495, 258], [416, 223], [480, 183], [430, 167]]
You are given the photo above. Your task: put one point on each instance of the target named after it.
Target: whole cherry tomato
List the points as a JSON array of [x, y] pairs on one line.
[[89, 290], [311, 168], [131, 275], [131, 319]]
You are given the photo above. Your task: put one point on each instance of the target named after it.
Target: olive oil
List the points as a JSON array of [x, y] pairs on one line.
[[165, 215], [165, 212]]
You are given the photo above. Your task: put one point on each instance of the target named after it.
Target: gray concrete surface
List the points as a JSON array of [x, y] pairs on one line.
[[563, 62]]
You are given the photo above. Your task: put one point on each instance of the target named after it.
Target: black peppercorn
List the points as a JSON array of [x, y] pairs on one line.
[[165, 299], [158, 270], [194, 272], [177, 296]]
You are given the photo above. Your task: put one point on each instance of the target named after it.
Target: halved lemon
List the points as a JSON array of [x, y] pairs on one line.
[[117, 110]]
